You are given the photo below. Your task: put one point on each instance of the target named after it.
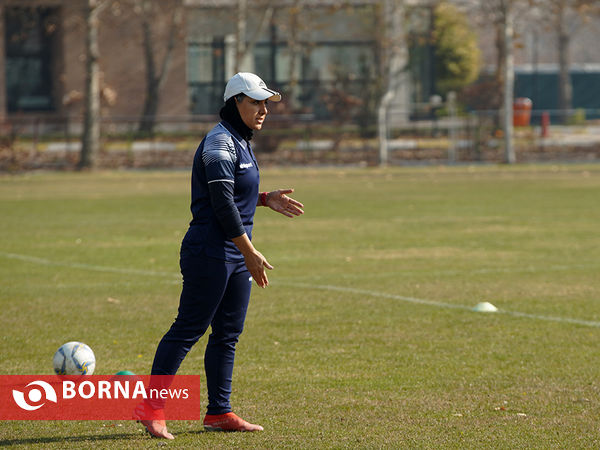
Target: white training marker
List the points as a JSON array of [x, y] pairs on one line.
[[485, 307]]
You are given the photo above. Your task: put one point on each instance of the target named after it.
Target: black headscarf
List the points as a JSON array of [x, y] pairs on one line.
[[230, 114]]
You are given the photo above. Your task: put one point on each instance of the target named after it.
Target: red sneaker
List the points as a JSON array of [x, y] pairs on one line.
[[153, 420], [228, 422]]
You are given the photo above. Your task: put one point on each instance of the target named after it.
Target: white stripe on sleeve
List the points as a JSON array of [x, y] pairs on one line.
[[222, 179]]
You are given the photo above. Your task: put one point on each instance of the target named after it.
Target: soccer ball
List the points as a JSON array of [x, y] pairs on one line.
[[74, 358]]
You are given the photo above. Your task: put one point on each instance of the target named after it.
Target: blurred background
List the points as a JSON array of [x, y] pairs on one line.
[[136, 83]]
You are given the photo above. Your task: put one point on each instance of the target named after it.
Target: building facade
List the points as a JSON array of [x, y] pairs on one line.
[[326, 56], [43, 59], [310, 52]]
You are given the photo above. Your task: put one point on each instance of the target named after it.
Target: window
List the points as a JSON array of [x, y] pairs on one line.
[[206, 75], [319, 67], [29, 36]]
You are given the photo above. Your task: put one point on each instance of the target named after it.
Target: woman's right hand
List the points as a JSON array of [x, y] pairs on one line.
[[256, 264], [255, 261]]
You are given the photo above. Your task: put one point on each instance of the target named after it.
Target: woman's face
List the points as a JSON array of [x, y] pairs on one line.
[[252, 112]]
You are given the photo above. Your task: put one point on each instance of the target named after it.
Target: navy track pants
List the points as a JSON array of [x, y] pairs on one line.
[[214, 293]]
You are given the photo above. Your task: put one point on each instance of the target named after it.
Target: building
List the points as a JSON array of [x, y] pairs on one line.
[[44, 56], [325, 55]]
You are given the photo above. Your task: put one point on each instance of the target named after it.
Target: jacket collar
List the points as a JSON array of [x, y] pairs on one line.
[[234, 133]]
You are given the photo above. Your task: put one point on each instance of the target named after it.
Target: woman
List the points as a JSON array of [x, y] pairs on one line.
[[218, 260]]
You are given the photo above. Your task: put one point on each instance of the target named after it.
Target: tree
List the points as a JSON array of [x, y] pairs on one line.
[[293, 47], [244, 44], [457, 55], [500, 14], [507, 14], [155, 72], [566, 18], [565, 91], [90, 140], [394, 68]]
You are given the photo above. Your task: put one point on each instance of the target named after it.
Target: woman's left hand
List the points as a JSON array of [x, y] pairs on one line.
[[280, 202]]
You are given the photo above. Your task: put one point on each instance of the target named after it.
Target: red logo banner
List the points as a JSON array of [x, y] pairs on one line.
[[99, 397]]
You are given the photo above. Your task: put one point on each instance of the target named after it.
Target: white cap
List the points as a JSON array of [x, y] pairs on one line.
[[251, 85]]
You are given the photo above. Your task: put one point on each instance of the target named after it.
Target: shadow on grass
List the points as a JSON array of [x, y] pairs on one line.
[[50, 440], [91, 437]]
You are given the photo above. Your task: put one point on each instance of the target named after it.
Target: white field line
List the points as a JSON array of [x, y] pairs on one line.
[[75, 265], [420, 301], [322, 287], [328, 287], [485, 271]]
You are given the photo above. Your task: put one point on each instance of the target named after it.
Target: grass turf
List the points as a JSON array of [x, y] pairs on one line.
[[365, 338]]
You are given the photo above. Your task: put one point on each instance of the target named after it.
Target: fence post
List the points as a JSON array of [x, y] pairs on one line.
[[545, 124], [452, 127], [35, 137], [383, 131]]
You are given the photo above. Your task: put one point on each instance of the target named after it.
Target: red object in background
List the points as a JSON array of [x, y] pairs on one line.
[[545, 124], [522, 112]]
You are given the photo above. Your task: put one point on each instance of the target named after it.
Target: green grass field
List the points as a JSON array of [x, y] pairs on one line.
[[366, 337]]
